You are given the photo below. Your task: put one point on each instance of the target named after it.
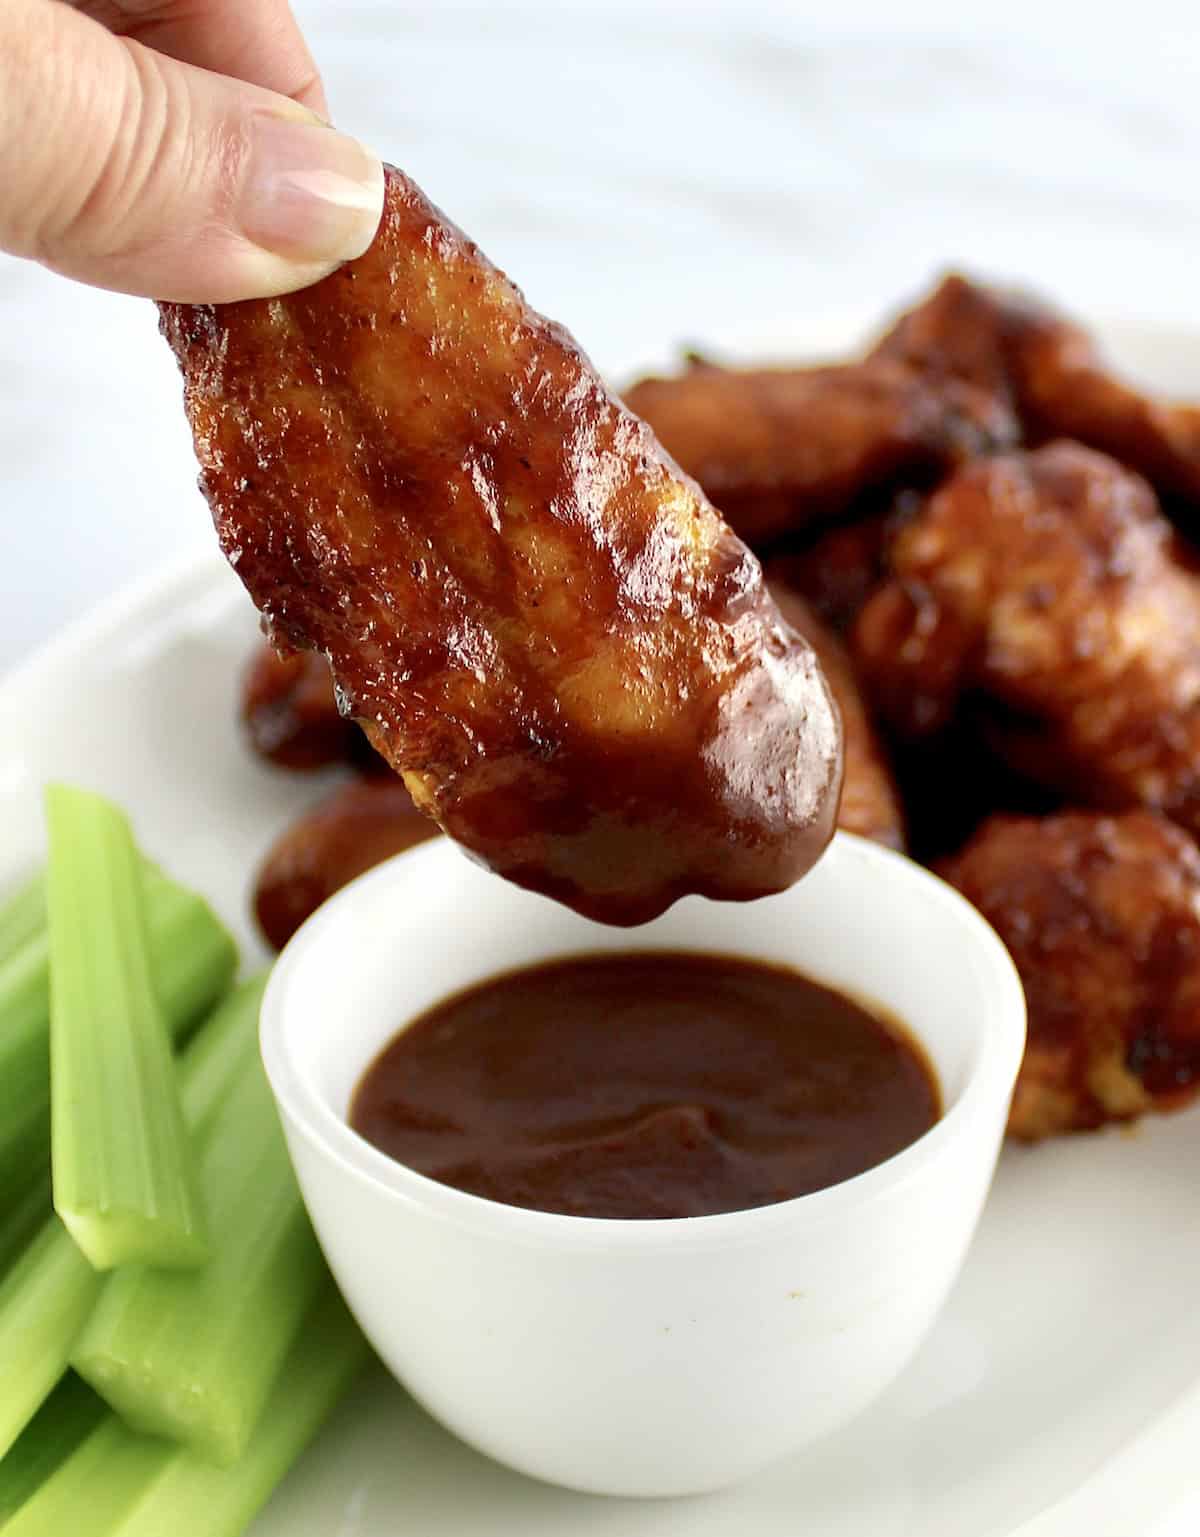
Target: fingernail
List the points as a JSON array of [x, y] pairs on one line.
[[309, 194]]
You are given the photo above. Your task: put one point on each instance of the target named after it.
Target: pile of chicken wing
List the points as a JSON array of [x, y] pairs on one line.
[[983, 534]]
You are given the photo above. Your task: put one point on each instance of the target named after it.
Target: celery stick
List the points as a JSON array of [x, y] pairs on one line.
[[121, 1484], [47, 1295], [97, 1489], [192, 953], [22, 1220], [194, 959], [44, 1300], [25, 1064], [22, 914], [193, 1355], [214, 1061], [69, 1415], [125, 1177]]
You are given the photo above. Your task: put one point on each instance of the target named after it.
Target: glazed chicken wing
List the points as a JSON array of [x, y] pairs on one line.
[[542, 624], [780, 450], [837, 571], [963, 330], [1101, 915], [291, 716], [1044, 595], [1048, 370], [356, 827], [870, 803]]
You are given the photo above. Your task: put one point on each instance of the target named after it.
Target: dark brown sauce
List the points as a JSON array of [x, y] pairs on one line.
[[650, 1084]]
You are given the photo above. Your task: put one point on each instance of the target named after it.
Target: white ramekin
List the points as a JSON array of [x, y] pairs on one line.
[[658, 1357]]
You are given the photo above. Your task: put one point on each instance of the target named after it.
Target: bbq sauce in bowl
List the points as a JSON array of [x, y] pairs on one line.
[[649, 1084]]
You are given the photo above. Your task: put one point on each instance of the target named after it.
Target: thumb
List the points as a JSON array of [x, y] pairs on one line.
[[130, 170]]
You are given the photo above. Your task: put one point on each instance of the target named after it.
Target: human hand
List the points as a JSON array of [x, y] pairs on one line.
[[175, 148]]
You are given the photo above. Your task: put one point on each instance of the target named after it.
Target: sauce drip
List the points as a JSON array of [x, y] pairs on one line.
[[643, 1085]]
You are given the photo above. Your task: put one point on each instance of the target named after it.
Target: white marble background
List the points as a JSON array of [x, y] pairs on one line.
[[654, 173]]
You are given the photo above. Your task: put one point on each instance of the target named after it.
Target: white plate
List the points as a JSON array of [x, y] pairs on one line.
[[1059, 1395]]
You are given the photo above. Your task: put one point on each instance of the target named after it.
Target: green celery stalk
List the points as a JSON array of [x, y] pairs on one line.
[[47, 1295], [22, 914], [121, 1484], [193, 1355], [22, 1220], [125, 1175], [67, 1417], [44, 1300], [25, 1065], [194, 960], [192, 953], [214, 1060]]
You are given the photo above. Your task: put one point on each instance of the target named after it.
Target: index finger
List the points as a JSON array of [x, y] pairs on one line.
[[254, 40]]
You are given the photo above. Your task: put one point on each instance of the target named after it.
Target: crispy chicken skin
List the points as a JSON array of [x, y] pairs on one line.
[[1101, 915], [1048, 370], [780, 450], [290, 713], [870, 802], [542, 624], [1044, 594], [355, 827]]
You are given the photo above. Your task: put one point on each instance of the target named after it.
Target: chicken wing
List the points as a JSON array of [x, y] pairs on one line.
[[1044, 594], [1048, 370], [357, 826], [779, 450], [870, 803], [1101, 915], [837, 571], [542, 625], [291, 716]]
